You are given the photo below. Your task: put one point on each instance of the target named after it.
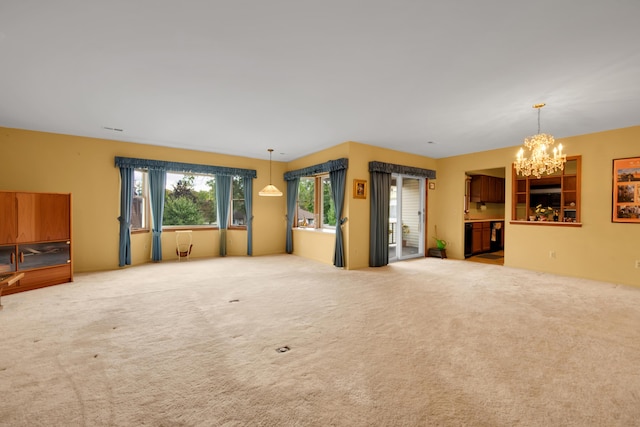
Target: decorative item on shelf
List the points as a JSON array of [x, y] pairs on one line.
[[270, 190], [440, 244], [543, 213], [539, 161]]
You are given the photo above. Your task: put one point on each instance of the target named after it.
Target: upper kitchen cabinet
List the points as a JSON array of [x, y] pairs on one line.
[[488, 189]]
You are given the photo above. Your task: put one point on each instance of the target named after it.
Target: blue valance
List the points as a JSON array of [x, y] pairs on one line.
[[330, 166], [405, 170], [183, 167]]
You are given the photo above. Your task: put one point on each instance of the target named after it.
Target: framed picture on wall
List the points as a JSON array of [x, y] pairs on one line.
[[359, 189], [626, 190]]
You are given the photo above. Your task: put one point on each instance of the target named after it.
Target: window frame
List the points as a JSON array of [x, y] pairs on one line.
[[241, 182], [146, 222], [169, 228], [318, 203]]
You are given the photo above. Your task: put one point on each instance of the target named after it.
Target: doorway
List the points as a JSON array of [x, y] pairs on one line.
[[484, 215], [406, 217]]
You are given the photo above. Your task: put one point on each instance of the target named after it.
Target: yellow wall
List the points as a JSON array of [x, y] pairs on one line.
[[599, 250], [46, 162]]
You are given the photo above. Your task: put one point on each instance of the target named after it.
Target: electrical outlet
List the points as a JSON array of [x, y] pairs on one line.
[[552, 254], [638, 263]]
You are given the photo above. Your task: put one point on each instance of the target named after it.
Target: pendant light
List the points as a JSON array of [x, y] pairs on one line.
[[270, 190]]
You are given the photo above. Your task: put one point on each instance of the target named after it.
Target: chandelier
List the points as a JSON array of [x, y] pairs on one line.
[[539, 161]]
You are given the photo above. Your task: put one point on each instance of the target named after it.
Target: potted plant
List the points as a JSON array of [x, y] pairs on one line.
[[405, 232], [543, 213]]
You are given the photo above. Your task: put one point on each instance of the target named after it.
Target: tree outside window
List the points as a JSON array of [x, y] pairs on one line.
[[189, 200]]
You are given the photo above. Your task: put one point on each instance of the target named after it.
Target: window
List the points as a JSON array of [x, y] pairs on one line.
[[139, 203], [189, 200], [315, 204], [238, 208], [552, 198], [328, 208]]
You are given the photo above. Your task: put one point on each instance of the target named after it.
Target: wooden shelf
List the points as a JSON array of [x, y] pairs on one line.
[[563, 194]]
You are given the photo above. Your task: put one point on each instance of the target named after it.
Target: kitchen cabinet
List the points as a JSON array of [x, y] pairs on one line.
[[476, 245], [35, 238], [481, 234], [488, 189], [486, 236]]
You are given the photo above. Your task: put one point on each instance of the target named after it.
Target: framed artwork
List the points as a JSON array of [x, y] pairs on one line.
[[432, 185], [626, 190], [359, 189]]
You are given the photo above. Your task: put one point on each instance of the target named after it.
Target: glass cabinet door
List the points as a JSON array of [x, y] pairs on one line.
[[43, 255], [7, 259]]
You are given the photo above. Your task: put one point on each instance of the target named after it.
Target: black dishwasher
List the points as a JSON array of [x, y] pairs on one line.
[[496, 236], [468, 239]]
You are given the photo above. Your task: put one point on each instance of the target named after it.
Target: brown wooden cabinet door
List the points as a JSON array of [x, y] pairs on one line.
[[498, 185], [43, 217], [486, 236], [8, 218], [54, 212], [487, 189], [475, 190], [476, 242]]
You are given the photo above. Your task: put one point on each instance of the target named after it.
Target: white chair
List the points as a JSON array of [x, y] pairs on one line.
[[183, 244]]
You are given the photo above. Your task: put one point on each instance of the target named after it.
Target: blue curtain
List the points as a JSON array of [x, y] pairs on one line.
[[401, 169], [157, 182], [293, 180], [292, 198], [248, 203], [126, 200], [379, 221], [338, 180], [223, 196]]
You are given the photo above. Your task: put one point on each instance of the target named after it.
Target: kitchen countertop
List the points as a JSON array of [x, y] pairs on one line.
[[483, 219]]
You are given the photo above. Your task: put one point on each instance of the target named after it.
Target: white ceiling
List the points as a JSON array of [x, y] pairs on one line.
[[432, 77]]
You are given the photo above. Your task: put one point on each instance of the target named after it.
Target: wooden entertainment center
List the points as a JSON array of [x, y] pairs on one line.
[[35, 239]]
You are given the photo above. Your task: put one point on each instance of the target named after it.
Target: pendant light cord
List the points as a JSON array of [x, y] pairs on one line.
[[270, 151]]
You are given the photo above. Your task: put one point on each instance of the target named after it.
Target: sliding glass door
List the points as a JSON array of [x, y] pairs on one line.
[[406, 217]]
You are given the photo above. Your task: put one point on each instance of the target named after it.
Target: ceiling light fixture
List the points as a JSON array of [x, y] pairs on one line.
[[270, 190], [539, 161]]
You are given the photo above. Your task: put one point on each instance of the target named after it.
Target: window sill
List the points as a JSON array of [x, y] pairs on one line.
[[199, 228], [171, 228], [316, 230], [548, 223]]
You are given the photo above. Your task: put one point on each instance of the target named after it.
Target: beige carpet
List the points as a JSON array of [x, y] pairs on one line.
[[418, 343]]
